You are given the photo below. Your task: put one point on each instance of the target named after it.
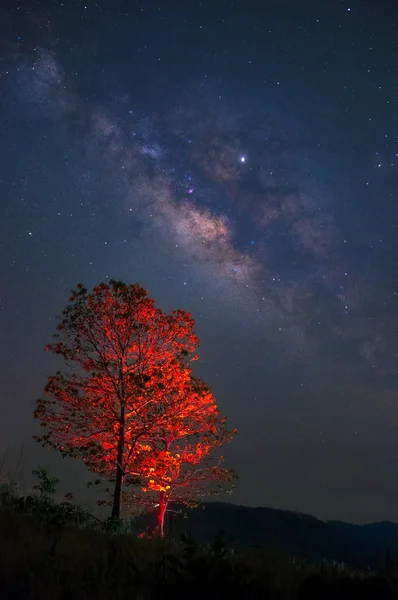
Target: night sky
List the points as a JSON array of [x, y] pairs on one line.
[[240, 161]]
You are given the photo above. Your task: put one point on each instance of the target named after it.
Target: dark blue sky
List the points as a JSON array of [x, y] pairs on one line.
[[239, 160]]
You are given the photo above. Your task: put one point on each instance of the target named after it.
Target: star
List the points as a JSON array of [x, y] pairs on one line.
[[217, 192]]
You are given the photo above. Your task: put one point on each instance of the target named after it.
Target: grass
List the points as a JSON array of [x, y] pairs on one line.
[[41, 560], [53, 550]]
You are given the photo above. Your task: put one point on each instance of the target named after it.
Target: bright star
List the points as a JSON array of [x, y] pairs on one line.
[[243, 159]]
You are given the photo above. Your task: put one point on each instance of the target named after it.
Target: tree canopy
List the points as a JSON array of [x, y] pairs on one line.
[[126, 401]]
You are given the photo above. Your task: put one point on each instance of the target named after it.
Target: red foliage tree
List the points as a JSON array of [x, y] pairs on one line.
[[179, 455], [117, 346]]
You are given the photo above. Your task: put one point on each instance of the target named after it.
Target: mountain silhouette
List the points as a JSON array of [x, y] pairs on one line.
[[291, 533]]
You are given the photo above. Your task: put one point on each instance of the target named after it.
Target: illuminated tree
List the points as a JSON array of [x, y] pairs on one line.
[[117, 347], [180, 462]]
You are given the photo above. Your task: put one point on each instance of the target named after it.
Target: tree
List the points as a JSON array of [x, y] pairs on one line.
[[180, 463], [117, 346], [47, 484]]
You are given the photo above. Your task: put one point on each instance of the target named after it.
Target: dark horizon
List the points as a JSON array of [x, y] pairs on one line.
[[239, 162]]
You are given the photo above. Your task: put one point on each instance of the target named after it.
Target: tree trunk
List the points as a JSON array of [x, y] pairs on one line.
[[117, 494], [161, 513]]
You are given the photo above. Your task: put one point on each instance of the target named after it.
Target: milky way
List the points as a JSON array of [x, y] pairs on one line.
[[248, 177]]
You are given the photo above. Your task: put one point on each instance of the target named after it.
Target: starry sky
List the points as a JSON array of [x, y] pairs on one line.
[[240, 161]]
